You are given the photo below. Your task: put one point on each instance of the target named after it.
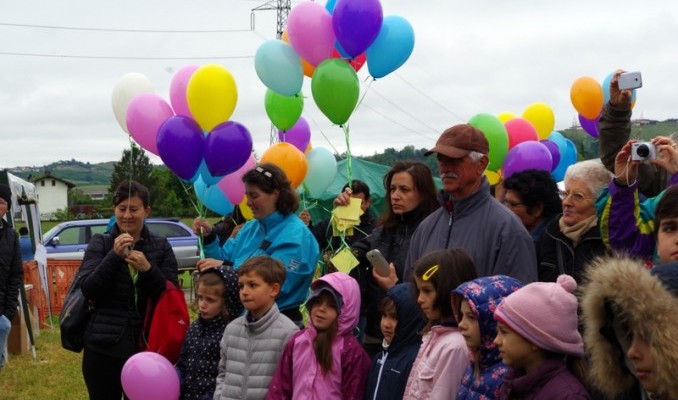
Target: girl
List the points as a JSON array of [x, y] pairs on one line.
[[218, 303], [325, 360], [537, 336], [437, 370]]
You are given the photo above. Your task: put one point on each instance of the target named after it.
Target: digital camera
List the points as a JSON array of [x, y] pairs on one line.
[[642, 151]]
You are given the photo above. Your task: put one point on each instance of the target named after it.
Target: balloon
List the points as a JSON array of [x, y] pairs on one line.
[[283, 111], [356, 24], [322, 168], [492, 177], [505, 116], [329, 6], [305, 65], [211, 95], [309, 27], [299, 135], [232, 185], [145, 113], [178, 90], [227, 147], [127, 88], [587, 97], [245, 210], [555, 152], [335, 89], [590, 126], [356, 63], [149, 376], [606, 90], [496, 135], [527, 155], [279, 67], [181, 146], [542, 118], [567, 158], [289, 159], [520, 130], [391, 48], [212, 197]]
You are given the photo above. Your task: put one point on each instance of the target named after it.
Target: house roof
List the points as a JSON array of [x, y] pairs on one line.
[[48, 175]]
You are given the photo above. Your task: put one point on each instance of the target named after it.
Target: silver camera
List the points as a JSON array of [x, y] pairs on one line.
[[642, 151]]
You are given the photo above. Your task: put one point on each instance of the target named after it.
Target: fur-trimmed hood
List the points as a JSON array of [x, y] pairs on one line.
[[618, 292]]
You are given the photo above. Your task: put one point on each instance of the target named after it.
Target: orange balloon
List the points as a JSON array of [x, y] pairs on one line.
[[308, 148], [586, 95], [289, 159]]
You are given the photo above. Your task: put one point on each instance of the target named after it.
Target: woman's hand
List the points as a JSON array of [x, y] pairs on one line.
[[201, 227], [386, 282], [138, 261], [208, 263], [625, 170], [123, 244], [667, 154]]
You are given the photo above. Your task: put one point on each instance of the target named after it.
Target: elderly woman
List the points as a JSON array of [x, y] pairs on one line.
[[275, 231], [533, 196], [573, 239]]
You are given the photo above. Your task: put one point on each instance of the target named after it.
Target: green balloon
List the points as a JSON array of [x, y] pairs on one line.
[[496, 135], [283, 111], [335, 89]]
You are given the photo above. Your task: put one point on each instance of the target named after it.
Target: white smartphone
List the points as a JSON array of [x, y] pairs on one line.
[[378, 262], [630, 80]]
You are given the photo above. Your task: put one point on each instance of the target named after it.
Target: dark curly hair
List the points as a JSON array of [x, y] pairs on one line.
[[535, 187]]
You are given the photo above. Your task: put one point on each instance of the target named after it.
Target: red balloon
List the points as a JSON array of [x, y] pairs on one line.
[[520, 130], [356, 62]]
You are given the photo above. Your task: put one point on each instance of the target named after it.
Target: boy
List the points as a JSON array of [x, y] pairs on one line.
[[252, 344], [401, 322]]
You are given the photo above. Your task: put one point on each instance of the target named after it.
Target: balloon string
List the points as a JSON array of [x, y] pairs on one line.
[[303, 195], [348, 154], [200, 210], [323, 133], [131, 171]]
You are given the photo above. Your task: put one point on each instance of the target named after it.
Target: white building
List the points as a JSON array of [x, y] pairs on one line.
[[52, 194]]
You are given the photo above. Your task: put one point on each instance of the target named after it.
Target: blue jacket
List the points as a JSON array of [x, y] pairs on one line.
[[390, 368], [285, 238]]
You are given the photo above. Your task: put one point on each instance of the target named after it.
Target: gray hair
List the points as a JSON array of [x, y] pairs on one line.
[[591, 172]]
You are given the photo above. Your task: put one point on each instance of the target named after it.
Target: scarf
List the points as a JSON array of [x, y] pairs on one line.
[[576, 231]]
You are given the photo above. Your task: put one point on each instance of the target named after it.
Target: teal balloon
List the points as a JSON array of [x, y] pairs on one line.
[[322, 169], [391, 48], [496, 135], [283, 111], [567, 158], [212, 197], [335, 89], [279, 67]]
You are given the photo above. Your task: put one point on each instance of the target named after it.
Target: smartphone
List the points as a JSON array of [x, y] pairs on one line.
[[378, 262], [630, 80]]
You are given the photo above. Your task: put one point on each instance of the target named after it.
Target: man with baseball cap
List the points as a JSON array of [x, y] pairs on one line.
[[470, 218]]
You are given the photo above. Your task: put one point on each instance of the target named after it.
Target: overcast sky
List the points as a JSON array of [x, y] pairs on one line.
[[469, 57]]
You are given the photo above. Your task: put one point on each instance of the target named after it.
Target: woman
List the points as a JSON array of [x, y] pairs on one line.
[[412, 197], [121, 270], [533, 196], [572, 239], [275, 231]]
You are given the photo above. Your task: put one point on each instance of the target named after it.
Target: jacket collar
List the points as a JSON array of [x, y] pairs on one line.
[[262, 323], [271, 220], [468, 204]]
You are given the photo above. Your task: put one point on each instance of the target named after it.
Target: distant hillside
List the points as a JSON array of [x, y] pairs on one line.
[[81, 174]]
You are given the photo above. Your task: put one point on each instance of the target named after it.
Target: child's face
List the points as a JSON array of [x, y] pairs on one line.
[[210, 301], [468, 326], [515, 350], [667, 240], [640, 354], [389, 322], [256, 295], [323, 312], [427, 299]]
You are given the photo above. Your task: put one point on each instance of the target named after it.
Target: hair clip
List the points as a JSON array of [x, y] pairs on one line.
[[430, 272], [264, 172]]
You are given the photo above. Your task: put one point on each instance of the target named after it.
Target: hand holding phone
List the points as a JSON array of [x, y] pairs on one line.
[[630, 80], [378, 262]]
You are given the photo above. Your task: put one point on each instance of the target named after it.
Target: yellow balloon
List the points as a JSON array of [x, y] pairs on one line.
[[245, 210], [211, 94], [505, 116], [541, 116], [492, 177]]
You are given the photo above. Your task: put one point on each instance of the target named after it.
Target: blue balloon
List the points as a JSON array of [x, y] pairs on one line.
[[329, 6], [212, 197], [606, 89], [279, 67], [205, 175], [391, 48], [567, 158]]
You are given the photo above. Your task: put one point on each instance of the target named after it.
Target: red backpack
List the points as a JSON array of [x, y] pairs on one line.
[[166, 323]]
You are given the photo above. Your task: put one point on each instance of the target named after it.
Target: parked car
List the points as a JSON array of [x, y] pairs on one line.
[[68, 240]]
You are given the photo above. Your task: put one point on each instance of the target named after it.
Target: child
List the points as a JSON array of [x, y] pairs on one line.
[[252, 344], [537, 336], [401, 321], [630, 326], [218, 304], [443, 355], [325, 360], [474, 305]]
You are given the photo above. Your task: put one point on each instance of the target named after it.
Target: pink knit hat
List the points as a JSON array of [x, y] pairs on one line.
[[545, 313]]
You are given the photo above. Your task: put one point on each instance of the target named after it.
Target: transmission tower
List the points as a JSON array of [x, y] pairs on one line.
[[282, 8]]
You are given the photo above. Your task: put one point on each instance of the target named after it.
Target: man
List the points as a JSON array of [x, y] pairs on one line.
[[470, 217], [11, 271]]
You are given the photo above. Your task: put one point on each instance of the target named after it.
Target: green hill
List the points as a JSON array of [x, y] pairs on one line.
[[80, 173]]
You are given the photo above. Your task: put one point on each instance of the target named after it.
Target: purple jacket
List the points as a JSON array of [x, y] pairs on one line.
[[551, 380]]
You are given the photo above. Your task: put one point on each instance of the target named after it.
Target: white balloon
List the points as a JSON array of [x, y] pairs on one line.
[[127, 87]]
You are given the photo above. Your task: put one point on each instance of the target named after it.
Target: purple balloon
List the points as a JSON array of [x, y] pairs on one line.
[[356, 24], [227, 147], [590, 126], [299, 135], [180, 145], [555, 152], [527, 155]]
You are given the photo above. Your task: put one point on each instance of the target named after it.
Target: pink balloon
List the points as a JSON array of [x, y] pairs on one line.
[[145, 113], [178, 90], [149, 376], [298, 135], [232, 184], [520, 130], [309, 27]]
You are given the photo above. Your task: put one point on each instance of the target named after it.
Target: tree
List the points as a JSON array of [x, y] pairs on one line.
[[174, 197], [134, 165]]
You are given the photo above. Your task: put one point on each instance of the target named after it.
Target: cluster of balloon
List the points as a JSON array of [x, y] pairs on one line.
[[149, 376]]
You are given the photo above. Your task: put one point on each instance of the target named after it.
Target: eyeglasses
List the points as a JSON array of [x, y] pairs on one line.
[[512, 204], [576, 197]]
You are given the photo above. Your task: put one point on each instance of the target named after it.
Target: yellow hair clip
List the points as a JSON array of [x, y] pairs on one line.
[[430, 272]]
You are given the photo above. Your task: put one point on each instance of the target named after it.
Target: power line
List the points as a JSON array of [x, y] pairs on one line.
[[122, 57], [402, 110], [73, 28], [429, 98], [396, 122]]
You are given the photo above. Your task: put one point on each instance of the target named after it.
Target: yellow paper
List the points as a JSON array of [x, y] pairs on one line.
[[344, 218], [344, 260]]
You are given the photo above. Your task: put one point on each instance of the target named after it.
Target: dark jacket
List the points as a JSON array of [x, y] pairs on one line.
[[550, 380], [114, 329], [390, 368], [11, 270]]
